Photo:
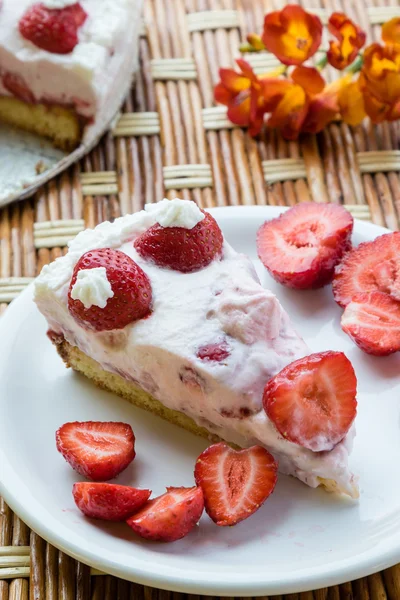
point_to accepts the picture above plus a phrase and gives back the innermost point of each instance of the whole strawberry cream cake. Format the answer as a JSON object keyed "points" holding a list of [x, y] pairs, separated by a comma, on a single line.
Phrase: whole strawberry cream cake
{"points": [[160, 309], [65, 66]]}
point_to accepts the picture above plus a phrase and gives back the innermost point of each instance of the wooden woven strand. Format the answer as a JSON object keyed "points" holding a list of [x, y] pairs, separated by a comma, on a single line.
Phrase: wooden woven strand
{"points": [[283, 169], [173, 69], [215, 118], [380, 14], [137, 124], [262, 62], [11, 287], [178, 177], [213, 19], [100, 183], [57, 233], [382, 161]]}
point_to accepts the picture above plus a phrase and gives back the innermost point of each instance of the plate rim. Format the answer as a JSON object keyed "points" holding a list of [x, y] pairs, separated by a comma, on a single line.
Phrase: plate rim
{"points": [[186, 581]]}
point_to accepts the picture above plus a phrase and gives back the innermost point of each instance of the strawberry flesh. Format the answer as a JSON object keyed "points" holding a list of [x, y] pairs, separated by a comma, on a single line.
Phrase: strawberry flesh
{"points": [[235, 483], [131, 287], [301, 248], [372, 266], [97, 450], [181, 249], [169, 517], [312, 402], [108, 501], [373, 323], [17, 86], [53, 30], [214, 352]]}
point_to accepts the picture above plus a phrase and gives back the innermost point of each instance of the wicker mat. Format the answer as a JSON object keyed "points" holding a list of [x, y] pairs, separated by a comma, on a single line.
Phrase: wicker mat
{"points": [[171, 140]]}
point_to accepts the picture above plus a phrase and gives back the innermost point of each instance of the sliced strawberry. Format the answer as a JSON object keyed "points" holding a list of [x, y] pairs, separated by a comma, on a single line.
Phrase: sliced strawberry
{"points": [[216, 352], [97, 450], [108, 501], [312, 402], [17, 86], [235, 483], [372, 266], [53, 30], [301, 248], [130, 285], [373, 323], [169, 517], [182, 249]]}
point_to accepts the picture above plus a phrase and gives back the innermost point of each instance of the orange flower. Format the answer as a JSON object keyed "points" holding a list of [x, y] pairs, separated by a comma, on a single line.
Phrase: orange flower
{"points": [[391, 31], [351, 101], [291, 112], [350, 38], [292, 34], [247, 96], [380, 82]]}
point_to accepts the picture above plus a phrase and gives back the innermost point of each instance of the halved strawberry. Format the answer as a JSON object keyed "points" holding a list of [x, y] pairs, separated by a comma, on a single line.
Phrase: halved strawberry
{"points": [[97, 450], [312, 402], [53, 30], [131, 291], [301, 248], [235, 483], [372, 266], [169, 517], [373, 323], [108, 501], [182, 249]]}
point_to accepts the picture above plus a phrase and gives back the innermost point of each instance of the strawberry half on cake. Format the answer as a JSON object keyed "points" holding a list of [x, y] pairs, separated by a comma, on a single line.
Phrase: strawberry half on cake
{"points": [[159, 308], [65, 65]]}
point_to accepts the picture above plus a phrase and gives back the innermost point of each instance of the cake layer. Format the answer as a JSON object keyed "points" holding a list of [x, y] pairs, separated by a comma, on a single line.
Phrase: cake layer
{"points": [[223, 302], [59, 124]]}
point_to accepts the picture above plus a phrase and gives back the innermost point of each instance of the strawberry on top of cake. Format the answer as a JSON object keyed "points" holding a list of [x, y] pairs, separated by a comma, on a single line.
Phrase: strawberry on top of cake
{"points": [[62, 62], [159, 308]]}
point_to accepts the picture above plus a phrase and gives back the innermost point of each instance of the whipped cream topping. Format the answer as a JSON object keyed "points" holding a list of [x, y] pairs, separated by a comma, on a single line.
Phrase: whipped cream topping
{"points": [[222, 303], [175, 213], [57, 4], [92, 287]]}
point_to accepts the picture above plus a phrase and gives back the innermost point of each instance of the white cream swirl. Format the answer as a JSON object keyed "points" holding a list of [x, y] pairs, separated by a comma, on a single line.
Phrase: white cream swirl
{"points": [[92, 287]]}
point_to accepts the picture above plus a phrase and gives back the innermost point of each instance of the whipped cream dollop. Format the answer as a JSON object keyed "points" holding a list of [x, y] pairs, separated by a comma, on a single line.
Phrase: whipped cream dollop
{"points": [[175, 213], [92, 287]]}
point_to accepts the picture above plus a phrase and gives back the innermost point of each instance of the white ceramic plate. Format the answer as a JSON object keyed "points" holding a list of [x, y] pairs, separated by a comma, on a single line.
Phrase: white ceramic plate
{"points": [[300, 539]]}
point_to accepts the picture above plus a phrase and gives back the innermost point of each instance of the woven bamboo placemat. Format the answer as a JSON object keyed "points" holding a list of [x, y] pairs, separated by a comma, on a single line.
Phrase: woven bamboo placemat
{"points": [[171, 140]]}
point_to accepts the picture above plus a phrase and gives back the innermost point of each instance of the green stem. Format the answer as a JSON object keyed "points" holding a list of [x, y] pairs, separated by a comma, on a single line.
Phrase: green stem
{"points": [[321, 64], [356, 66]]}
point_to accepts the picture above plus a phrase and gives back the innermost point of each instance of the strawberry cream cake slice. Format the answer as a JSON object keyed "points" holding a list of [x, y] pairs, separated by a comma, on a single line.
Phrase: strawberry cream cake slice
{"points": [[159, 308], [65, 65]]}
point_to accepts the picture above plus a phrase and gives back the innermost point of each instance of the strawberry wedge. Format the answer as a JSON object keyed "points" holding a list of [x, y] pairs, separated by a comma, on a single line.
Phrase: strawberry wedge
{"points": [[235, 483], [371, 267], [108, 501], [373, 323], [169, 517], [301, 248], [312, 402], [97, 450]]}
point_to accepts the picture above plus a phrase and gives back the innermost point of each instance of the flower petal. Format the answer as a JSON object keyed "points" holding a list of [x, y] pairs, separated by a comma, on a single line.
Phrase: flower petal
{"points": [[290, 113], [223, 95], [234, 81], [350, 38], [391, 31], [239, 111], [292, 34], [351, 103], [309, 78]]}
